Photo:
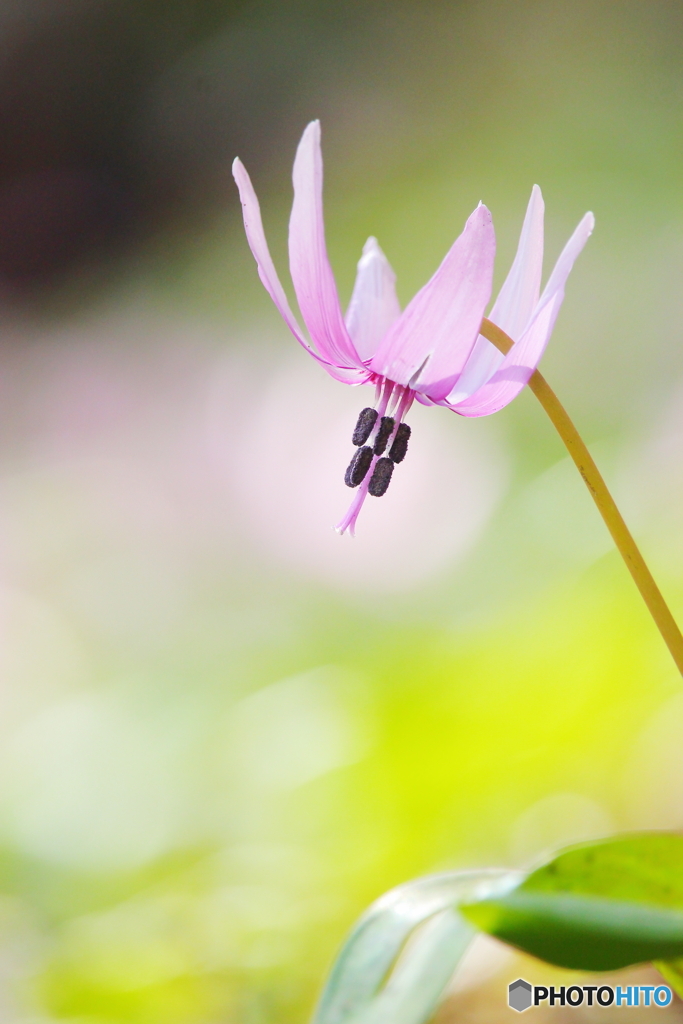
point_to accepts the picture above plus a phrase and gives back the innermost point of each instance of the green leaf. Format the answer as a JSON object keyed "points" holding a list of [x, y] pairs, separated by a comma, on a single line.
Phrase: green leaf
{"points": [[401, 954], [595, 907], [416, 984]]}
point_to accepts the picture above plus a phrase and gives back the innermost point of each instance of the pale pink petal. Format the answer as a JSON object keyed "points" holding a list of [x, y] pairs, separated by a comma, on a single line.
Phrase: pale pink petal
{"points": [[253, 225], [314, 283], [374, 306], [562, 268], [257, 242], [429, 345], [515, 304], [423, 400], [518, 297], [522, 359]]}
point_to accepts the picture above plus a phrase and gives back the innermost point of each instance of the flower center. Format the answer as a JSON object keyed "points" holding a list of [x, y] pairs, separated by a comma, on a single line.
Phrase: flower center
{"points": [[377, 429], [383, 431]]}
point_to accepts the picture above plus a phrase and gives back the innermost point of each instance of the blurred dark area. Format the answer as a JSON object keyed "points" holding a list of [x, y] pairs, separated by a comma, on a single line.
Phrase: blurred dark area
{"points": [[120, 117], [80, 170]]}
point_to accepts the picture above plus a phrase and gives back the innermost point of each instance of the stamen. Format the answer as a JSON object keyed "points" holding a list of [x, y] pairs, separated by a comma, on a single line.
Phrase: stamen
{"points": [[381, 477], [396, 399], [358, 467], [386, 429], [364, 426], [399, 447], [375, 477], [387, 391], [406, 402]]}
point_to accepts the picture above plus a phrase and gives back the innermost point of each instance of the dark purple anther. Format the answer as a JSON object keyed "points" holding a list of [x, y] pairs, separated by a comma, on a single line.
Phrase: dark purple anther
{"points": [[386, 428], [381, 477], [399, 447], [366, 421], [358, 467]]}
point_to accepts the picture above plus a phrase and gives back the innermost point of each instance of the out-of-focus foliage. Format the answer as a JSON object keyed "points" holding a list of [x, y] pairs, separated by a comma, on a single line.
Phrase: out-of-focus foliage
{"points": [[225, 730], [401, 954], [603, 905]]}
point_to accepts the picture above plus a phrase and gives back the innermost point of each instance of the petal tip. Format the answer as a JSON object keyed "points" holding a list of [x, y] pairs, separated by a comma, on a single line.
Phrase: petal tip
{"points": [[480, 217], [308, 152], [312, 129], [536, 199], [242, 179]]}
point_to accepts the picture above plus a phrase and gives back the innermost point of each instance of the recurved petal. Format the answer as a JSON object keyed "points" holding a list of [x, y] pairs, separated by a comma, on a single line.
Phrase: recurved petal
{"points": [[312, 275], [253, 226], [515, 304], [518, 297], [428, 346], [521, 361], [562, 268], [374, 306]]}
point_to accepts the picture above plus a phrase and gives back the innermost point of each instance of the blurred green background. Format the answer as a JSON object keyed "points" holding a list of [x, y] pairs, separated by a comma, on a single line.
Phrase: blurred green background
{"points": [[226, 730]]}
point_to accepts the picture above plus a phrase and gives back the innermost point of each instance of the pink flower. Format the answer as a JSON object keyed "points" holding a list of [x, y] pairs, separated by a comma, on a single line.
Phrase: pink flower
{"points": [[432, 351]]}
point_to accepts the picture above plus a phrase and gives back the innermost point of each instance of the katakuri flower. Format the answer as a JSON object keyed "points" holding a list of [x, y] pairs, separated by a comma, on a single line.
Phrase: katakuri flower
{"points": [[432, 351]]}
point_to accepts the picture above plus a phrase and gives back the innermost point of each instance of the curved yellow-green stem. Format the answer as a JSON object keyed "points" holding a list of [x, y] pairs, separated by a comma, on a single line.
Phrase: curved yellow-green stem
{"points": [[621, 535]]}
